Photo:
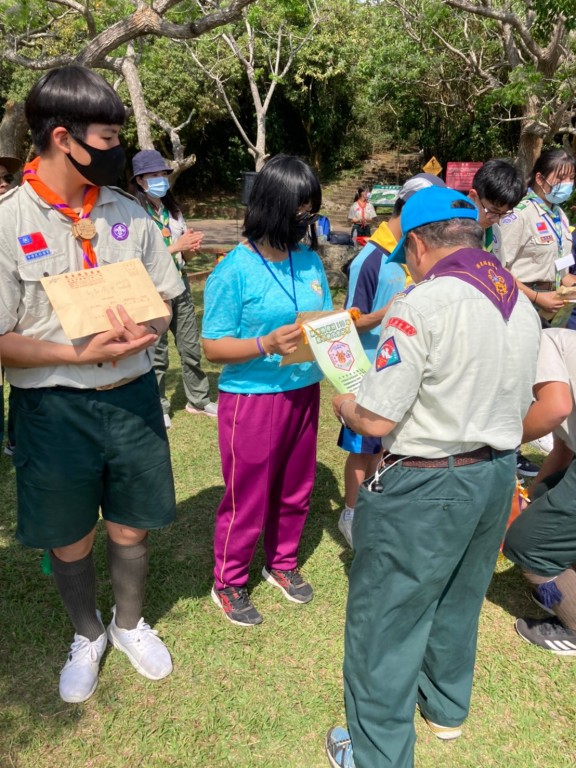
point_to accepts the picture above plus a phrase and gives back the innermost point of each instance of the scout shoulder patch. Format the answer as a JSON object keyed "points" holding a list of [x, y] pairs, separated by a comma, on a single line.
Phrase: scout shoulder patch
{"points": [[510, 218], [401, 325], [387, 355]]}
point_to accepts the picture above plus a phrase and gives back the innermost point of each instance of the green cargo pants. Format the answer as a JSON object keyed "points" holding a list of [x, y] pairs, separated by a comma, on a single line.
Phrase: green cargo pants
{"points": [[425, 550]]}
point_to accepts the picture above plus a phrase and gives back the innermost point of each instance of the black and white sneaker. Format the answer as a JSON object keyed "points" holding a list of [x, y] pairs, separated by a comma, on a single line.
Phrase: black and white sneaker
{"points": [[524, 467], [549, 634], [237, 606]]}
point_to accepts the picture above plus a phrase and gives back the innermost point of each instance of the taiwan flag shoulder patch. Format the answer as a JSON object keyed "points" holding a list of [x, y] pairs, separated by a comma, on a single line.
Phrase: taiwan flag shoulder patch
{"points": [[387, 355], [34, 246]]}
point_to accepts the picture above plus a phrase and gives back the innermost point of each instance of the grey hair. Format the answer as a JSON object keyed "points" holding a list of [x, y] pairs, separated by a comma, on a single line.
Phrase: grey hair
{"points": [[465, 233]]}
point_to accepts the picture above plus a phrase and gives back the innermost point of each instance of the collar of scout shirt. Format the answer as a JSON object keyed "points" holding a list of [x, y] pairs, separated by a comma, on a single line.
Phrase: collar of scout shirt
{"points": [[107, 195], [482, 271]]}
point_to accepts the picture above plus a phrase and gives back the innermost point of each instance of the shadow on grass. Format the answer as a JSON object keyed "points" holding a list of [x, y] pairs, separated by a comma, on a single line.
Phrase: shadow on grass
{"points": [[36, 631], [509, 590]]}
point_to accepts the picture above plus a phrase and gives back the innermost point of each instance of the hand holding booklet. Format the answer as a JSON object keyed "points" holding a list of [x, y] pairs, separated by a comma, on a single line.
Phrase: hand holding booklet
{"points": [[332, 340], [80, 299]]}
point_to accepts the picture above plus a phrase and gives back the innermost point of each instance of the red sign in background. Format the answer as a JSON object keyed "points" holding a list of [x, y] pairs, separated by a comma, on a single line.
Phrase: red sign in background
{"points": [[459, 175]]}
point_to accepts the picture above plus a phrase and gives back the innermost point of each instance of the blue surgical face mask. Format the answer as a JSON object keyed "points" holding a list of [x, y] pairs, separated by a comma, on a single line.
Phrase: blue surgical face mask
{"points": [[560, 192], [157, 186]]}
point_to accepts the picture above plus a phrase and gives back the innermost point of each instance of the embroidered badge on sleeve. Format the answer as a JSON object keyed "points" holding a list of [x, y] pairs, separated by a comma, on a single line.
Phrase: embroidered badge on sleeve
{"points": [[387, 355], [402, 325]]}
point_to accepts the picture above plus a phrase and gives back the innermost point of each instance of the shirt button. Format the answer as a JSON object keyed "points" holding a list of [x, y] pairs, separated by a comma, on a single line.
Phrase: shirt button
{"points": [[100, 365], [46, 274]]}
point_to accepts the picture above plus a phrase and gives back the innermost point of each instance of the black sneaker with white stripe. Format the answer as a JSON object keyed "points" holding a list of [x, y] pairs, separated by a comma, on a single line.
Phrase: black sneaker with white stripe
{"points": [[549, 634]]}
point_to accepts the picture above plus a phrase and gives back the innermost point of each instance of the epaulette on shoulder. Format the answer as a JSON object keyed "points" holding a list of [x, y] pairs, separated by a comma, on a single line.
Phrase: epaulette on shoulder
{"points": [[7, 195], [521, 206], [124, 193]]}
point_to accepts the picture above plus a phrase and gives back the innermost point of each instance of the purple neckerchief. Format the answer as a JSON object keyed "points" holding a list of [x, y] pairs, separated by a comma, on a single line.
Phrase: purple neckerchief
{"points": [[481, 270]]}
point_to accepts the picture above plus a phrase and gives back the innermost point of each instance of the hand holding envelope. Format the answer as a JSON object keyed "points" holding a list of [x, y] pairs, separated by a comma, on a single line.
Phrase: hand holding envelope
{"points": [[87, 302]]}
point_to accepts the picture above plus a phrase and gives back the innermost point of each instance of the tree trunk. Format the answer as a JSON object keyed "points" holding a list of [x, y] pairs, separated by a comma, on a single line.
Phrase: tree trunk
{"points": [[13, 130], [132, 79]]}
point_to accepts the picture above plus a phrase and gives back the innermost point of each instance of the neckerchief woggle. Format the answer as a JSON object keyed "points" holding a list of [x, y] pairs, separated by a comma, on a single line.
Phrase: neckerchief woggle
{"points": [[162, 220], [482, 271], [89, 260]]}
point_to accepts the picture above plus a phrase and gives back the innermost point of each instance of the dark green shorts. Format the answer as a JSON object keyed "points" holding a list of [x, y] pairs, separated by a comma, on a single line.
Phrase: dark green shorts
{"points": [[81, 451]]}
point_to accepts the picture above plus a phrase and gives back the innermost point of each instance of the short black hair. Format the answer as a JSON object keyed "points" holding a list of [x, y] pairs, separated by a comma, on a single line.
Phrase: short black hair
{"points": [[72, 97], [283, 185], [550, 161], [499, 183]]}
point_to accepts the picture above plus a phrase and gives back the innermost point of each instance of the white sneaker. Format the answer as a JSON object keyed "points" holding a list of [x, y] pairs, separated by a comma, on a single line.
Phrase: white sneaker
{"points": [[79, 676], [345, 524], [544, 443], [147, 653], [211, 409], [167, 421]]}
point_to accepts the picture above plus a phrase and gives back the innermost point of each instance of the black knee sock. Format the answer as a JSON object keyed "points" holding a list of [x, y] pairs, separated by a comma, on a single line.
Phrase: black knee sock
{"points": [[128, 568], [76, 583]]}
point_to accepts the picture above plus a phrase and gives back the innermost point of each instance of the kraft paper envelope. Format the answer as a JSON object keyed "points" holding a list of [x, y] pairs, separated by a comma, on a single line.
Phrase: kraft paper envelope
{"points": [[303, 353], [80, 299]]}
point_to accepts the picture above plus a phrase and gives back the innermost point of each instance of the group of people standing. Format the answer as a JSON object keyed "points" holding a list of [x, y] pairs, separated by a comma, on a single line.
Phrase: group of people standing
{"points": [[454, 340]]}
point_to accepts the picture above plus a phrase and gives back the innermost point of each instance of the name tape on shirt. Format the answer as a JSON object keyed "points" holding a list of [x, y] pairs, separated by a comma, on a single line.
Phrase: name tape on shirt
{"points": [[34, 246], [387, 355], [402, 325]]}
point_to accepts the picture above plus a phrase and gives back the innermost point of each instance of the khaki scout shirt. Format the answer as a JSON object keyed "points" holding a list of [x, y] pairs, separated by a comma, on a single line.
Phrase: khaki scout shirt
{"points": [[526, 243], [124, 231], [557, 362], [451, 372]]}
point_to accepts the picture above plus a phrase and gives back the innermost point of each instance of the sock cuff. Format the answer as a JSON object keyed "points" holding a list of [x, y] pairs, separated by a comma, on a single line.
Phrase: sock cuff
{"points": [[130, 551], [71, 569]]}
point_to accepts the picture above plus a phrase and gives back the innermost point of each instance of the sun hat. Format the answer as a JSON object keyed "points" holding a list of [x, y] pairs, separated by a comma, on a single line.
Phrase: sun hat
{"points": [[148, 161]]}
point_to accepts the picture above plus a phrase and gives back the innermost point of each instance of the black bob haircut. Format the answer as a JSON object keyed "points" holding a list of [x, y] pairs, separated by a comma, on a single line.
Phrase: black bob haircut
{"points": [[499, 183], [551, 161], [284, 184], [72, 97]]}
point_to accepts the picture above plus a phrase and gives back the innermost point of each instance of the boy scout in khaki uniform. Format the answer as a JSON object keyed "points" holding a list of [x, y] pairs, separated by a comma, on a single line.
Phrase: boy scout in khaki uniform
{"points": [[89, 429], [542, 540], [534, 242], [447, 392]]}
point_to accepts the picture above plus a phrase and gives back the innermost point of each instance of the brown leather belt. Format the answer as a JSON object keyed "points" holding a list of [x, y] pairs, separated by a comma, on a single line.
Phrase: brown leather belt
{"points": [[542, 285], [457, 460]]}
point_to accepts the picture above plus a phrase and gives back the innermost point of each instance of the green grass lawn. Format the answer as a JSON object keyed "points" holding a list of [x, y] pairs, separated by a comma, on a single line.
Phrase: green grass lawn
{"points": [[249, 698]]}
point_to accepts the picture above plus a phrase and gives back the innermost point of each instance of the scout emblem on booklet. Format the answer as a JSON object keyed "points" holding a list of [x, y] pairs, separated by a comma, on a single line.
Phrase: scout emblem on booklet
{"points": [[332, 340], [84, 229]]}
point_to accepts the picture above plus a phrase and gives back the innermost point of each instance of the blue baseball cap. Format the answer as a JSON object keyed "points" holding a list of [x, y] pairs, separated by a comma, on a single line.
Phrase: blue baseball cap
{"points": [[428, 206]]}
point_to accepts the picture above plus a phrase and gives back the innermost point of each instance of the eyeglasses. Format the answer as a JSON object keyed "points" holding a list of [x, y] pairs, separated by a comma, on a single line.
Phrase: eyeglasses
{"points": [[8, 178], [307, 217], [490, 213]]}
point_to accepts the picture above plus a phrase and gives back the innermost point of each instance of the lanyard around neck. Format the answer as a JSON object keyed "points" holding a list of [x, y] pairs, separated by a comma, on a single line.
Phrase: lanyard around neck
{"points": [[275, 276]]}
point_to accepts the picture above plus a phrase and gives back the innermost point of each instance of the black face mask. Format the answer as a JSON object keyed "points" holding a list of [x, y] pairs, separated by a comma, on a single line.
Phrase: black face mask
{"points": [[301, 230], [105, 166]]}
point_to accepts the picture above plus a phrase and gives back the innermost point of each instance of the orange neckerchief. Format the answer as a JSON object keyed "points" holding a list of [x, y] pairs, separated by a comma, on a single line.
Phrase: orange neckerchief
{"points": [[50, 197]]}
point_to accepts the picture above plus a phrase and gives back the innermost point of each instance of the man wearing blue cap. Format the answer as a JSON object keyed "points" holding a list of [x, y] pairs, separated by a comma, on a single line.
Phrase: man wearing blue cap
{"points": [[447, 392]]}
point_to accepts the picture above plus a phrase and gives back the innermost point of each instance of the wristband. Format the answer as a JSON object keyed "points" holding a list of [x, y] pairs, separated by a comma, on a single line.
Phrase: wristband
{"points": [[535, 302], [260, 347]]}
